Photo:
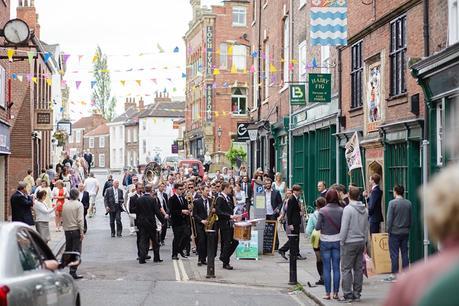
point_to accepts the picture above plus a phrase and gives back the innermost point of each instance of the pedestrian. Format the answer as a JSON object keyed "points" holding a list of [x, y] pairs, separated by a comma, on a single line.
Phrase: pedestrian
{"points": [[273, 202], [108, 183], [343, 196], [88, 158], [240, 200], [131, 207], [170, 185], [21, 205], [42, 214], [67, 160], [354, 237], [59, 195], [201, 210], [374, 199], [91, 185], [73, 223], [44, 186], [329, 225], [44, 176], [51, 174], [83, 197], [163, 200], [28, 179], [398, 228], [35, 187], [65, 177], [280, 185], [294, 220], [315, 237], [179, 214], [113, 201], [283, 219], [147, 210], [441, 208], [129, 189], [127, 177], [74, 178], [322, 188]]}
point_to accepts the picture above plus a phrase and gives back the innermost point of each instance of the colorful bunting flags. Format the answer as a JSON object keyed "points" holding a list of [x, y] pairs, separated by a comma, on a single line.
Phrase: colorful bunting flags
{"points": [[233, 69], [160, 49], [93, 83], [65, 58], [139, 82], [49, 82], [77, 84], [10, 53], [216, 71], [35, 80], [272, 68], [176, 50], [123, 82], [47, 56]]}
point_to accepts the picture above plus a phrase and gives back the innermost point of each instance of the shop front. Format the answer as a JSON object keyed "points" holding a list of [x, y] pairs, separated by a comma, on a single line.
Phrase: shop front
{"points": [[4, 153]]}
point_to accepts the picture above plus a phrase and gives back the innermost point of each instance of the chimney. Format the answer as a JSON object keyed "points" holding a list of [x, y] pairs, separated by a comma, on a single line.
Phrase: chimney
{"points": [[141, 104], [130, 102], [27, 12]]}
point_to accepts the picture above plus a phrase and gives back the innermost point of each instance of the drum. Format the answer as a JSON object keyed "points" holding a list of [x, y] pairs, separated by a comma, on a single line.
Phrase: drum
{"points": [[242, 231]]}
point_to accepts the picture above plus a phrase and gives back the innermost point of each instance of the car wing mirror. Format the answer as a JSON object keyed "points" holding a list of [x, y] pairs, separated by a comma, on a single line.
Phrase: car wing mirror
{"points": [[70, 259]]}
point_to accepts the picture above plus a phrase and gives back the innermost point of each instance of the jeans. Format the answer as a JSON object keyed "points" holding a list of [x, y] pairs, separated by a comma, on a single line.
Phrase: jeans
{"points": [[352, 268], [330, 252], [396, 243]]}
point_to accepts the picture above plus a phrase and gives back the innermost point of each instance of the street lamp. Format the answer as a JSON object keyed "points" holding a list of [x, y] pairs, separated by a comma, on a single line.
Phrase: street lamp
{"points": [[219, 134]]}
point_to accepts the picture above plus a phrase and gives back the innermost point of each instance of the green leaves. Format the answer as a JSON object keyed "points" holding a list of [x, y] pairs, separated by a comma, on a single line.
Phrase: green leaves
{"points": [[235, 154], [101, 92]]}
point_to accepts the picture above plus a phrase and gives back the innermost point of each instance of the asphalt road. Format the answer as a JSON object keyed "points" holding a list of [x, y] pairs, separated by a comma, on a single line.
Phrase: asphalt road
{"points": [[112, 276]]}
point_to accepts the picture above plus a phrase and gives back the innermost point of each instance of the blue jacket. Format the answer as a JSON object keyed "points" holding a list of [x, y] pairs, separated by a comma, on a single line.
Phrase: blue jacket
{"points": [[374, 206]]}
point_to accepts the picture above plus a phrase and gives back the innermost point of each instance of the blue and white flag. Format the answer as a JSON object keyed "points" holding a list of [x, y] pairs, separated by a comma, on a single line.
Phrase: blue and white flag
{"points": [[329, 22]]}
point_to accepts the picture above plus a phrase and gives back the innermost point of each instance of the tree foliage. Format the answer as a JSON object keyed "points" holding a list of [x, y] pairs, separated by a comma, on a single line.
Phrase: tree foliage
{"points": [[235, 154], [101, 93]]}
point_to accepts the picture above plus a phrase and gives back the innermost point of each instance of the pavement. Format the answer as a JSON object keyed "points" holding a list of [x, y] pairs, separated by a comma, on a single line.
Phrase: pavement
{"points": [[112, 276]]}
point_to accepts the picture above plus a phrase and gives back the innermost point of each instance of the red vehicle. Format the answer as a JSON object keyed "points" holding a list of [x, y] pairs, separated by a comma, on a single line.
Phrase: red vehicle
{"points": [[192, 167]]}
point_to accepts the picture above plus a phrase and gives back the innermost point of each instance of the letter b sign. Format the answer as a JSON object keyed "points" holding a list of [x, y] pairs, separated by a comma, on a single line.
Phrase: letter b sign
{"points": [[297, 94]]}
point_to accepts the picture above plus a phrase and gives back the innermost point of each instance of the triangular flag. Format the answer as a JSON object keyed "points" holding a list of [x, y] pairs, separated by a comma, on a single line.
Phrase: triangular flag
{"points": [[139, 82], [254, 54], [233, 69], [63, 83], [314, 63], [214, 85], [176, 50], [10, 53], [291, 67], [252, 69], [14, 76], [35, 80], [80, 57], [169, 79], [31, 55], [174, 89], [216, 71], [272, 68], [235, 84], [20, 78], [161, 50], [154, 81], [230, 50], [225, 85], [65, 58], [123, 82], [77, 84], [47, 56], [183, 75], [93, 83], [216, 114], [49, 82], [95, 57]]}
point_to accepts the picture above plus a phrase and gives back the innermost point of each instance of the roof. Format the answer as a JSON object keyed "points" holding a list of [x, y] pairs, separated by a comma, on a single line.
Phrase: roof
{"points": [[132, 111], [100, 130], [165, 109], [83, 122]]}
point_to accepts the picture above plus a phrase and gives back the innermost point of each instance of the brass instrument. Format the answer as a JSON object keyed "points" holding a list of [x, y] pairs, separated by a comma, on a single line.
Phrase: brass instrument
{"points": [[152, 175], [212, 218], [189, 199]]}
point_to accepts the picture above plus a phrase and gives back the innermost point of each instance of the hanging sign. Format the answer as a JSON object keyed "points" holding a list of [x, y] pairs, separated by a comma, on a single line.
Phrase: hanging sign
{"points": [[209, 50], [43, 119], [319, 87], [253, 134], [209, 93], [242, 131], [297, 94]]}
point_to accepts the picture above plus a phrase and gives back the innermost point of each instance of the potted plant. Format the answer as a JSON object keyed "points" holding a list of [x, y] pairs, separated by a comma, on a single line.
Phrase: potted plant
{"points": [[236, 155]]}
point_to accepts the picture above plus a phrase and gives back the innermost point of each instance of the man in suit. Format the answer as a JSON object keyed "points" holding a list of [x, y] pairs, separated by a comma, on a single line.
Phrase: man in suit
{"points": [[129, 190], [88, 158], [225, 215], [21, 205], [322, 188], [148, 209], [83, 197], [163, 198], [113, 201], [131, 207], [248, 190], [179, 215], [375, 216], [273, 201], [294, 218], [201, 211]]}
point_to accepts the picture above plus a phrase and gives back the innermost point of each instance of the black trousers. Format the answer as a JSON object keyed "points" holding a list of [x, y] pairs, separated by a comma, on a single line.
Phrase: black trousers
{"points": [[116, 216], [286, 247], [85, 222], [201, 242], [180, 239], [274, 218], [73, 244], [163, 231], [146, 234], [229, 244]]}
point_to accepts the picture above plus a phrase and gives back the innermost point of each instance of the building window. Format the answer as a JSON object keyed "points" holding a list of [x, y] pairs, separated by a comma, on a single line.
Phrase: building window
{"points": [[239, 101], [101, 160], [452, 129], [101, 141], [71, 138], [324, 59], [440, 132], [240, 57], [239, 16], [135, 134], [302, 71], [129, 158], [129, 136], [91, 142], [356, 75], [254, 11], [286, 48], [144, 125], [77, 136], [120, 156], [223, 56], [144, 146], [113, 156], [453, 21], [397, 56]]}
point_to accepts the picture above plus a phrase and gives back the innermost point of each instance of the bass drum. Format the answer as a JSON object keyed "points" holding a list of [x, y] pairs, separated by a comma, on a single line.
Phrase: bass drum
{"points": [[152, 174]]}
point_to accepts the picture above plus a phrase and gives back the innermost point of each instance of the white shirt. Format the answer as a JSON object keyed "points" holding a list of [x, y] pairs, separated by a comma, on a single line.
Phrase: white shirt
{"points": [[169, 188], [206, 204], [91, 185], [161, 198], [269, 207], [42, 211], [115, 194], [80, 196]]}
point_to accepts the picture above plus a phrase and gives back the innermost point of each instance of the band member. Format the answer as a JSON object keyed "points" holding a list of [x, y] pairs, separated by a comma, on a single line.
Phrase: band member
{"points": [[225, 215], [147, 208], [191, 195], [179, 216], [294, 217], [162, 197], [201, 210], [131, 207], [113, 201]]}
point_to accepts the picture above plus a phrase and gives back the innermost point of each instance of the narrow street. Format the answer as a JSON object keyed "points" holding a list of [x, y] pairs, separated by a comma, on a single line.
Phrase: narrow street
{"points": [[112, 276]]}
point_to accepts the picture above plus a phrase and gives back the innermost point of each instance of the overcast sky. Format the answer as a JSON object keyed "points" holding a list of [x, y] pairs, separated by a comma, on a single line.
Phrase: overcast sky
{"points": [[119, 27]]}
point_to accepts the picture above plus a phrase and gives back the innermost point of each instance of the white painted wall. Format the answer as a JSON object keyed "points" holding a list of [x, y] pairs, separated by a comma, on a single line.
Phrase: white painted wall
{"points": [[158, 134], [116, 145]]}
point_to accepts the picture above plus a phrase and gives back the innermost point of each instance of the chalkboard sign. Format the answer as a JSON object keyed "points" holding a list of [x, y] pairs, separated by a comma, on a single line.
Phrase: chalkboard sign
{"points": [[269, 237]]}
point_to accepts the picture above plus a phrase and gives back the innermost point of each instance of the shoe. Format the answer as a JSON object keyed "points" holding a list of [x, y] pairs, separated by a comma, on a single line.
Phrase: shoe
{"points": [[356, 298], [183, 255], [142, 262], [148, 257], [118, 235], [188, 254], [227, 267], [76, 276], [158, 260], [175, 258], [320, 282], [282, 253], [299, 257], [347, 299], [390, 279], [113, 235], [199, 263], [336, 296], [204, 262]]}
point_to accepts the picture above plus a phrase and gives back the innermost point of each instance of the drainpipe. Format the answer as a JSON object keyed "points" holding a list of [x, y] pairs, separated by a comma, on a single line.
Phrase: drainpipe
{"points": [[259, 63], [338, 124]]}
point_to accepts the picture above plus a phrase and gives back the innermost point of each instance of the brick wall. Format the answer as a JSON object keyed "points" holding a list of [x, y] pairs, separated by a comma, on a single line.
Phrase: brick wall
{"points": [[96, 150]]}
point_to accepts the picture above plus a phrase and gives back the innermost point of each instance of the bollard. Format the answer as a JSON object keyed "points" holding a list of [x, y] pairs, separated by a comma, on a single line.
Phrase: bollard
{"points": [[211, 244], [293, 242]]}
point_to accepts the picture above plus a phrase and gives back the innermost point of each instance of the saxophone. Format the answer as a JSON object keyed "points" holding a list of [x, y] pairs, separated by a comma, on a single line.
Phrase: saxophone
{"points": [[212, 218]]}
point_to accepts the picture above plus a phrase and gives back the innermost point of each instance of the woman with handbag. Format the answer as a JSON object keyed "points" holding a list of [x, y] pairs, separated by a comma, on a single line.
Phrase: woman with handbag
{"points": [[315, 236]]}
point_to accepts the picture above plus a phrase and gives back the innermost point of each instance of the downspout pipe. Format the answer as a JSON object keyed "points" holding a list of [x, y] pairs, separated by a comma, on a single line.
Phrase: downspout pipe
{"points": [[339, 115], [259, 63]]}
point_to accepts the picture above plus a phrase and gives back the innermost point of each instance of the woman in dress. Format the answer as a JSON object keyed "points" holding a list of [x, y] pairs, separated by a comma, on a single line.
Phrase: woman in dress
{"points": [[74, 178], [59, 195], [280, 185], [42, 212], [44, 186], [65, 177]]}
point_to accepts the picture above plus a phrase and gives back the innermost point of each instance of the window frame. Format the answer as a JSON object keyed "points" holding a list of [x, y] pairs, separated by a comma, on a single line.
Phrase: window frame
{"points": [[101, 157], [91, 142], [303, 57], [223, 56], [239, 58], [239, 97], [356, 75], [239, 11], [286, 49], [397, 56], [101, 141], [325, 59]]}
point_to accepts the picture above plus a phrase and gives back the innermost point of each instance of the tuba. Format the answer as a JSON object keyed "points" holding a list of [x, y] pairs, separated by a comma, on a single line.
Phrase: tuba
{"points": [[152, 175]]}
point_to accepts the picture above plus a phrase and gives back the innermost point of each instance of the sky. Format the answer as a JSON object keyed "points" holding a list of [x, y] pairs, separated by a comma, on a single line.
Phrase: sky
{"points": [[131, 32]]}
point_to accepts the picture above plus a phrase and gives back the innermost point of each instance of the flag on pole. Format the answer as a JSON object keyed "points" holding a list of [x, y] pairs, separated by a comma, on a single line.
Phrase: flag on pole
{"points": [[352, 153], [329, 22]]}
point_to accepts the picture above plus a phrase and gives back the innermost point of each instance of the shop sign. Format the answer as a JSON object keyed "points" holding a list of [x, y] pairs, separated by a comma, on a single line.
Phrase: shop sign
{"points": [[209, 50], [209, 92], [319, 87], [374, 109], [297, 94], [4, 139], [242, 131], [43, 119], [253, 134]]}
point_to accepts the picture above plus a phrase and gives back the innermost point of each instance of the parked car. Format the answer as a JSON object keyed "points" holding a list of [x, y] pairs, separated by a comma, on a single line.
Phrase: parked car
{"points": [[29, 271], [192, 167]]}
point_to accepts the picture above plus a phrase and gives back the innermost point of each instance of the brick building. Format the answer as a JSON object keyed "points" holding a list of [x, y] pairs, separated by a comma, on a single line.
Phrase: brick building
{"points": [[75, 144], [217, 91], [98, 142]]}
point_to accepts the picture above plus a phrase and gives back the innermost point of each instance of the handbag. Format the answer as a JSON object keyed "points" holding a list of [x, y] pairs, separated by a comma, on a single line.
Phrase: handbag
{"points": [[315, 238]]}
